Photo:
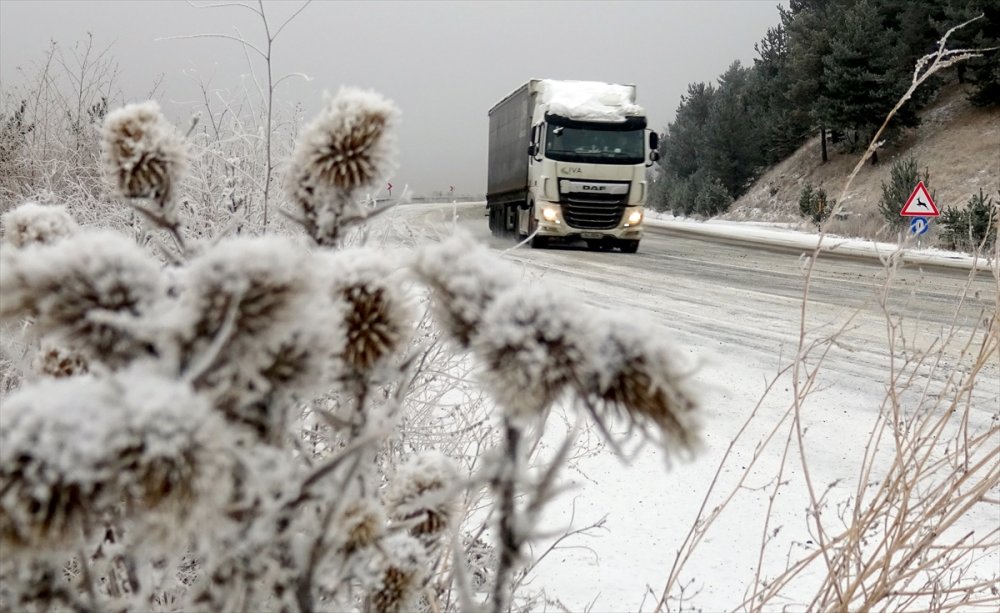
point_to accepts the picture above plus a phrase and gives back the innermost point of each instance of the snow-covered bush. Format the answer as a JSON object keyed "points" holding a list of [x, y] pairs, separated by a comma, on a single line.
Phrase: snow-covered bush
{"points": [[223, 421]]}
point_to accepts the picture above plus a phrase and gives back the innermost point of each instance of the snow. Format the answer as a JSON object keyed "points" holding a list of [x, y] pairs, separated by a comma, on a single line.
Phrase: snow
{"points": [[776, 235], [589, 100]]}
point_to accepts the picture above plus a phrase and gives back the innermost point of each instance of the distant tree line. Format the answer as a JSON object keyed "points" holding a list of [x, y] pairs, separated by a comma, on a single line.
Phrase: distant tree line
{"points": [[830, 67]]}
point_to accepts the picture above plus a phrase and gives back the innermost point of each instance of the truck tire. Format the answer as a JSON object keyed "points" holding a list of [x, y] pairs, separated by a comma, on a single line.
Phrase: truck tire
{"points": [[629, 246], [510, 220], [491, 214], [538, 242]]}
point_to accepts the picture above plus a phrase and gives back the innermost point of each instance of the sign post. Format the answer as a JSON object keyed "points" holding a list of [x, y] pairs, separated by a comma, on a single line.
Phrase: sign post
{"points": [[388, 188]]}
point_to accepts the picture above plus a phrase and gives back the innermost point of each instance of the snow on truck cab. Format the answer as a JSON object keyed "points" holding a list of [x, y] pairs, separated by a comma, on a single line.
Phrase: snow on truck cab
{"points": [[567, 161]]}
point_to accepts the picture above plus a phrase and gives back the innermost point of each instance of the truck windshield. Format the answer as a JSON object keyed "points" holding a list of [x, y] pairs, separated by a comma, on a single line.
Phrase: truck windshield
{"points": [[594, 145]]}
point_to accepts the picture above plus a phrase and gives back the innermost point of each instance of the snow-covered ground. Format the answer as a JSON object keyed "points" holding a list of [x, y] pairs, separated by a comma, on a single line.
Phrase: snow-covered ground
{"points": [[780, 235], [650, 506]]}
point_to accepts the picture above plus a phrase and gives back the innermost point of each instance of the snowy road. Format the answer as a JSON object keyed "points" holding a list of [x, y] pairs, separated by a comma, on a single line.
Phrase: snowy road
{"points": [[735, 294], [734, 309]]}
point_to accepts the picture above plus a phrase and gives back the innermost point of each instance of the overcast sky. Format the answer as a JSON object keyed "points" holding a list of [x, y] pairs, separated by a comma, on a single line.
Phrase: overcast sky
{"points": [[444, 63]]}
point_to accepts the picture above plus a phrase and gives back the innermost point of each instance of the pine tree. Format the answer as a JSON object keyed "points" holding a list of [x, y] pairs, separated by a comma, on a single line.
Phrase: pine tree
{"points": [[783, 125], [684, 142], [982, 73], [733, 153], [808, 43], [863, 76]]}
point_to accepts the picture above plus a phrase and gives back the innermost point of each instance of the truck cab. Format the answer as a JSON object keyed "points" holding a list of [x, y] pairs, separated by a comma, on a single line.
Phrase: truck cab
{"points": [[585, 148]]}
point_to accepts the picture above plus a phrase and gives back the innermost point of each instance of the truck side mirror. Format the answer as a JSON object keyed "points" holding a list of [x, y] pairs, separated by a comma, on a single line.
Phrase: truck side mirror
{"points": [[654, 156], [532, 150], [654, 140]]}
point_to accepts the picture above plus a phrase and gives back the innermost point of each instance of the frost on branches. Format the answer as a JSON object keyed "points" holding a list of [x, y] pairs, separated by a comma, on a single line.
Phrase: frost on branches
{"points": [[253, 423]]}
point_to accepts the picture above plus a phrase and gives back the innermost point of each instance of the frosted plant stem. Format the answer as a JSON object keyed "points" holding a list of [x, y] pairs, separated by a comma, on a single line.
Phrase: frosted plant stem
{"points": [[172, 228], [509, 540], [88, 580], [211, 355], [268, 166], [303, 592]]}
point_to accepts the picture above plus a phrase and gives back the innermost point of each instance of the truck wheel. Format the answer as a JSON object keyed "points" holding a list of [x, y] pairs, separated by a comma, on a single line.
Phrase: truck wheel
{"points": [[491, 213], [537, 242], [629, 246], [510, 221]]}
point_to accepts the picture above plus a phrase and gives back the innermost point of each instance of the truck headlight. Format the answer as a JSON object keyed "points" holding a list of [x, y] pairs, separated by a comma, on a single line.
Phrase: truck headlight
{"points": [[634, 217], [550, 214]]}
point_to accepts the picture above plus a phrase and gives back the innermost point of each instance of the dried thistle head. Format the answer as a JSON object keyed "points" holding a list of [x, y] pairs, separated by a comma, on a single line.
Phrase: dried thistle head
{"points": [[349, 147], [256, 306], [421, 496], [637, 376], [377, 316], [55, 360], [255, 389], [36, 224], [403, 574], [91, 291], [464, 278], [143, 155], [248, 286], [361, 525], [73, 450], [533, 344]]}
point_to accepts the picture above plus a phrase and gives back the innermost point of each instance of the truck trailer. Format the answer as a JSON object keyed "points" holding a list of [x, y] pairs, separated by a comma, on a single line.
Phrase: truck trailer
{"points": [[567, 162]]}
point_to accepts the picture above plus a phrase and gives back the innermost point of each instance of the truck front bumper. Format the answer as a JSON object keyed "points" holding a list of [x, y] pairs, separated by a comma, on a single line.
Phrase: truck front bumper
{"points": [[552, 224]]}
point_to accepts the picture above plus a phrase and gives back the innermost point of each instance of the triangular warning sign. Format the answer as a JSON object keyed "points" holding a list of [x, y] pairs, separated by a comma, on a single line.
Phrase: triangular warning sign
{"points": [[920, 204]]}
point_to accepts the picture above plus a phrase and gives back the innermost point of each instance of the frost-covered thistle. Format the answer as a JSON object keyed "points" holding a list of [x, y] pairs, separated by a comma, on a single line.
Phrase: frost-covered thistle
{"points": [[637, 376], [251, 284], [377, 316], [464, 278], [246, 562], [143, 156], [402, 576], [90, 291], [31, 224], [421, 496], [534, 345], [253, 327], [361, 524], [57, 361], [77, 452], [350, 146]]}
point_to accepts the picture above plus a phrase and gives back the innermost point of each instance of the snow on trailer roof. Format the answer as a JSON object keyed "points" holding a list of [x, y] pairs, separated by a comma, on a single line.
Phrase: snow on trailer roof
{"points": [[589, 100]]}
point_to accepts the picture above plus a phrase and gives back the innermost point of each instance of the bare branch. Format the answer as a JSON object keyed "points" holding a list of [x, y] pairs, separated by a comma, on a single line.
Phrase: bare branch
{"points": [[225, 36]]}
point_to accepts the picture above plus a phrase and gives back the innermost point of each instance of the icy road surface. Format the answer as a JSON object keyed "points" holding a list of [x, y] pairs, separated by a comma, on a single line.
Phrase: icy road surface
{"points": [[735, 309]]}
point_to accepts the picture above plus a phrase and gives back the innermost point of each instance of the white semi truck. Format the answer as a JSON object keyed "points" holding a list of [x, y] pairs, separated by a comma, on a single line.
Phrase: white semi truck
{"points": [[567, 162]]}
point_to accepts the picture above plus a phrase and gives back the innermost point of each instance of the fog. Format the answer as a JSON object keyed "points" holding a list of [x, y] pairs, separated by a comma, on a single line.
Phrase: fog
{"points": [[445, 64]]}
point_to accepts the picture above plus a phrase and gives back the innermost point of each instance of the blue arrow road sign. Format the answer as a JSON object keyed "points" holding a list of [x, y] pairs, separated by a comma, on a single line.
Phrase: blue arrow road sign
{"points": [[918, 225]]}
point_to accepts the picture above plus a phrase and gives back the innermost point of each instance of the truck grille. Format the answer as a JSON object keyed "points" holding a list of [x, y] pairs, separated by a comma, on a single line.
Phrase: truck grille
{"points": [[593, 210]]}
